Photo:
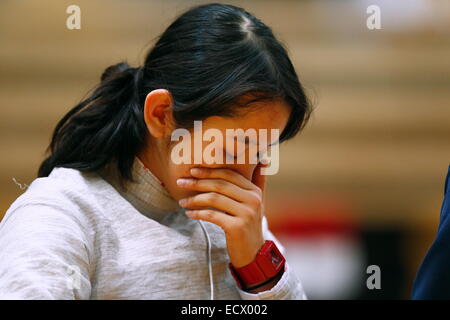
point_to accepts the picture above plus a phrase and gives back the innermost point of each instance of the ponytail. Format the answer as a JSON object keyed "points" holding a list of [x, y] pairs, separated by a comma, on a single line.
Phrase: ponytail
{"points": [[108, 125]]}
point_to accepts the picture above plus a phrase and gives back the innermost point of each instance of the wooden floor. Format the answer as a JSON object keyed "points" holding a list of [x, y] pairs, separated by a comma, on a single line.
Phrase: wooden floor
{"points": [[380, 135]]}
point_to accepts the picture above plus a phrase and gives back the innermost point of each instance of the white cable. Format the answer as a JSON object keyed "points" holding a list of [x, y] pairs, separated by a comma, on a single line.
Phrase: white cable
{"points": [[211, 282]]}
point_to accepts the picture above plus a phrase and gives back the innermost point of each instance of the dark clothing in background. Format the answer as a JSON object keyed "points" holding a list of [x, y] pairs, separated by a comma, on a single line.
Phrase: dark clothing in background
{"points": [[433, 278]]}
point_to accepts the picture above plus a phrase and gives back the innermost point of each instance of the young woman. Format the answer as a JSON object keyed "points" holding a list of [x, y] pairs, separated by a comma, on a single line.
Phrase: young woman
{"points": [[111, 216]]}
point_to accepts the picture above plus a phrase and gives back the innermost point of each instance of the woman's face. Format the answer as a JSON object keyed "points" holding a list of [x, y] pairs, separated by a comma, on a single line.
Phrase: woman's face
{"points": [[268, 115]]}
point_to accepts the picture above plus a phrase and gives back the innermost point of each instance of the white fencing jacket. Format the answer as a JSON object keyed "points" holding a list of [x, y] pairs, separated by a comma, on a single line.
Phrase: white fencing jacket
{"points": [[75, 235]]}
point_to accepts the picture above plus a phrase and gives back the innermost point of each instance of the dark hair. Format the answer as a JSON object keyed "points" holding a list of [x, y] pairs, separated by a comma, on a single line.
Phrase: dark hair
{"points": [[208, 59]]}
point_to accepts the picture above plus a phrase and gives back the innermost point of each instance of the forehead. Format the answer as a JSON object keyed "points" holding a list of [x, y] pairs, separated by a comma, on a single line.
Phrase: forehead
{"points": [[268, 115]]}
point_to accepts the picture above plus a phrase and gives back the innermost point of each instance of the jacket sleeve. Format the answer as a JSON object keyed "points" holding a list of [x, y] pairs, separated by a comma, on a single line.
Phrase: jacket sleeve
{"points": [[44, 254], [288, 287]]}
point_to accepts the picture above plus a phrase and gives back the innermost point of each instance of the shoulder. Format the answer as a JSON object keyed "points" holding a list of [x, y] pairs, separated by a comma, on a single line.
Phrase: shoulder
{"points": [[447, 183], [66, 198], [445, 208], [46, 233]]}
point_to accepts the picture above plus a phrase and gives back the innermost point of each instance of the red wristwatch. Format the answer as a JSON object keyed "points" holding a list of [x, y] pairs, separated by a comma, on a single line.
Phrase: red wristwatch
{"points": [[268, 263]]}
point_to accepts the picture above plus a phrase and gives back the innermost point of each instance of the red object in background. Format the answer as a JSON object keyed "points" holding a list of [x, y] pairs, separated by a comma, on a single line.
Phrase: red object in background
{"points": [[320, 216], [321, 237]]}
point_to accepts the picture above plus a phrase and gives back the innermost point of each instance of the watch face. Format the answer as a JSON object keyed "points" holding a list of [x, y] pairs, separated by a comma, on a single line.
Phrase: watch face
{"points": [[270, 259], [276, 259]]}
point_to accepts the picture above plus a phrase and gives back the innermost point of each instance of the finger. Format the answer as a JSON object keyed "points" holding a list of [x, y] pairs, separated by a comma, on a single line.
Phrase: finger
{"points": [[220, 173], [260, 181], [219, 186], [216, 200], [258, 178], [221, 219]]}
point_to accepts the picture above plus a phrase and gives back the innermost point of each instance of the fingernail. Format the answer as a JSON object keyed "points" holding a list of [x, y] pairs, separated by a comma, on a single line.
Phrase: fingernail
{"points": [[189, 213], [182, 181], [196, 171], [182, 202]]}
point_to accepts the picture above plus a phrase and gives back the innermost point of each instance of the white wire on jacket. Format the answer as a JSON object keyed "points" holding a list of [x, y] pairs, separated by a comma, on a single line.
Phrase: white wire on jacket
{"points": [[209, 259]]}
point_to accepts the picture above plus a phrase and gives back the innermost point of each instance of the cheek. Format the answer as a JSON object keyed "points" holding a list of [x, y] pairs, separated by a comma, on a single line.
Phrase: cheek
{"points": [[177, 171]]}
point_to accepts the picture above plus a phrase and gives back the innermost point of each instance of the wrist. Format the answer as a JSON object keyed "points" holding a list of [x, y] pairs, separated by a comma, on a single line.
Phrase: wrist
{"points": [[266, 285], [263, 271]]}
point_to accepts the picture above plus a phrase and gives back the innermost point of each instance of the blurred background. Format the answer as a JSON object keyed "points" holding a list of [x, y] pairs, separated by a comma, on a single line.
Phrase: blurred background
{"points": [[361, 186]]}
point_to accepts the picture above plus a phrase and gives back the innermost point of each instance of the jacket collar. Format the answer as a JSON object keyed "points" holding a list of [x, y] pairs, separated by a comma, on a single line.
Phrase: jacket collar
{"points": [[146, 194]]}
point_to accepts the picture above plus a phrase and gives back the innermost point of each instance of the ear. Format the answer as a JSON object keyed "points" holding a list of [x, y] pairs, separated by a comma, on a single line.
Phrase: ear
{"points": [[158, 112]]}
